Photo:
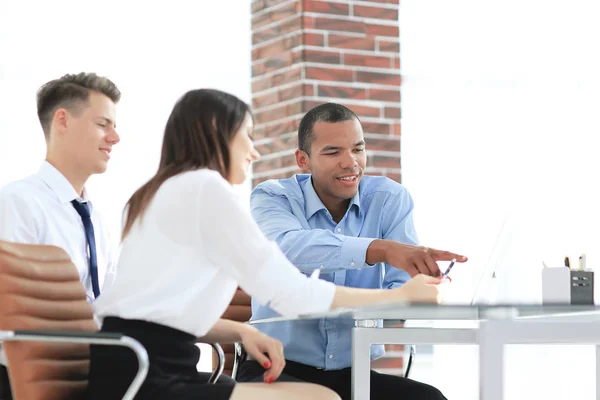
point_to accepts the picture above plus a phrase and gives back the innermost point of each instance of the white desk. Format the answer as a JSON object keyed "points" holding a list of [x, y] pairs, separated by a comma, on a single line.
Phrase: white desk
{"points": [[494, 335], [496, 326]]}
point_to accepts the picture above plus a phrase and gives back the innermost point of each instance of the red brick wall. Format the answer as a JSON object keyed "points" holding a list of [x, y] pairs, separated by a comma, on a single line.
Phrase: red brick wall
{"points": [[307, 52]]}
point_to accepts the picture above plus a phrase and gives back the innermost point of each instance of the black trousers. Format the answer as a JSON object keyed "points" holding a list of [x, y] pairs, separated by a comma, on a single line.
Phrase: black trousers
{"points": [[5, 393], [172, 374], [383, 387]]}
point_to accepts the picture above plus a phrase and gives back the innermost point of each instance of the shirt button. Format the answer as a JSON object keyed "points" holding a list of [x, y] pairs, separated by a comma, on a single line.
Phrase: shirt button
{"points": [[331, 356], [339, 229]]}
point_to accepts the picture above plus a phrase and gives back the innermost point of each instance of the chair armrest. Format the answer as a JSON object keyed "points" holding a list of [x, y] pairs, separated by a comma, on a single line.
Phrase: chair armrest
{"points": [[98, 338], [220, 363], [239, 356], [411, 355]]}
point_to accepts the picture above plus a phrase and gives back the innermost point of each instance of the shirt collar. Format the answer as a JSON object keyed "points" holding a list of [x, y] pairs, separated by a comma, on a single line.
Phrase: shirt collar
{"points": [[313, 203], [57, 182]]}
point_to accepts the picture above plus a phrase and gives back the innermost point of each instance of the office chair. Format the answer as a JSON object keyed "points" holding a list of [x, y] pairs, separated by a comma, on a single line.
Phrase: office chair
{"points": [[47, 325], [239, 310]]}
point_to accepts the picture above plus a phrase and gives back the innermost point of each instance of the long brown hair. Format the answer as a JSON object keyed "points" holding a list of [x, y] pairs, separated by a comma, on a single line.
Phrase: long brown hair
{"points": [[197, 135]]}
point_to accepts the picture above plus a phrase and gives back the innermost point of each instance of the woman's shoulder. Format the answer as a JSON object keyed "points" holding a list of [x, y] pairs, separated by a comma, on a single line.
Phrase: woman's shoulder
{"points": [[196, 179], [189, 185]]}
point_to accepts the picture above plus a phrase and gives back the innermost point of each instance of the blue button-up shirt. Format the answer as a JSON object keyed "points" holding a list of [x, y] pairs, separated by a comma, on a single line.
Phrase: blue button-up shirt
{"points": [[290, 212]]}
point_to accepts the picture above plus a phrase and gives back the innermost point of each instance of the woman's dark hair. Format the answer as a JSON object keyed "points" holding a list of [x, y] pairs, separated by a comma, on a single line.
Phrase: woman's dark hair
{"points": [[197, 135]]}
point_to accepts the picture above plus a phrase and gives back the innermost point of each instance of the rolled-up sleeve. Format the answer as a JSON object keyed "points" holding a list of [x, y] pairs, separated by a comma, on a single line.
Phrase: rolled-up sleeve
{"points": [[401, 228], [354, 251], [308, 249]]}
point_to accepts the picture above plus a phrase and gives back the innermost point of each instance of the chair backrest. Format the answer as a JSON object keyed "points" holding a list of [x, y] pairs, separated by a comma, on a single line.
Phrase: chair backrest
{"points": [[40, 290], [240, 310]]}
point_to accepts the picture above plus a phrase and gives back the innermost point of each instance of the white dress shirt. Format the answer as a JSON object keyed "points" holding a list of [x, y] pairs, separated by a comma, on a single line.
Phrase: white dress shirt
{"points": [[38, 210], [181, 263]]}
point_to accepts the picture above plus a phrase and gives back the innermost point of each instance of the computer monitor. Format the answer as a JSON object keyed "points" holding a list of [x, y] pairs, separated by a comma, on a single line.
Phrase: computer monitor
{"points": [[486, 287], [513, 274]]}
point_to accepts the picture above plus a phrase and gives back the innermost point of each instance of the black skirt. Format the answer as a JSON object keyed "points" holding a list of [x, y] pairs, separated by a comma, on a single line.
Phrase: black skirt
{"points": [[172, 374]]}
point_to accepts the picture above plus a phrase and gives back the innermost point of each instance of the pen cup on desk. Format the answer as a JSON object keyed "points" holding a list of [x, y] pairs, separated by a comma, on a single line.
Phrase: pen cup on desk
{"points": [[566, 286]]}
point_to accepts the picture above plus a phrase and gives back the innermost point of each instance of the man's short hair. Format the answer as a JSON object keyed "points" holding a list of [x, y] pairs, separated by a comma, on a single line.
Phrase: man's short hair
{"points": [[72, 93], [327, 112]]}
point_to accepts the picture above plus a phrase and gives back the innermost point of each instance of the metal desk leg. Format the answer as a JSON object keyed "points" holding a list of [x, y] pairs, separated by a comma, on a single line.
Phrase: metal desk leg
{"points": [[597, 372], [491, 362], [365, 334], [361, 364]]}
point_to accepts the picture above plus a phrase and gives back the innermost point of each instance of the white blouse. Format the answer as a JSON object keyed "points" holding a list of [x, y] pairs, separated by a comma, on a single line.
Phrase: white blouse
{"points": [[180, 265]]}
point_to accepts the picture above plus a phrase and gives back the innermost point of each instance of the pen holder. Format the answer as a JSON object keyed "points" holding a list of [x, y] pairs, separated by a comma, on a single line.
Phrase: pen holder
{"points": [[566, 286]]}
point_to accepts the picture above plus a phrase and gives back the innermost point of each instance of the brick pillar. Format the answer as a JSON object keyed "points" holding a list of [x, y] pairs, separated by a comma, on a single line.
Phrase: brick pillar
{"points": [[307, 52]]}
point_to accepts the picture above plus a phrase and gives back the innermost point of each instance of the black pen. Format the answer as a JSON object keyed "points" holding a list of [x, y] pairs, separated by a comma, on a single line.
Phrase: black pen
{"points": [[449, 268]]}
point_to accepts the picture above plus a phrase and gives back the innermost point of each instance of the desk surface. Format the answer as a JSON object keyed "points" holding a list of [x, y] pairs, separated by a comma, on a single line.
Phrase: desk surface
{"points": [[413, 311]]}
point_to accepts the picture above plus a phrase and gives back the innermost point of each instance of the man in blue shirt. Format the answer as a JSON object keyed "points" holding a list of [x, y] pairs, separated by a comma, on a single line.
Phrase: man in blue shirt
{"points": [[357, 231]]}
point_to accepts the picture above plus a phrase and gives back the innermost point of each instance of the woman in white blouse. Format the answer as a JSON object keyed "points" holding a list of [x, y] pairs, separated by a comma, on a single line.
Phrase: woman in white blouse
{"points": [[189, 241]]}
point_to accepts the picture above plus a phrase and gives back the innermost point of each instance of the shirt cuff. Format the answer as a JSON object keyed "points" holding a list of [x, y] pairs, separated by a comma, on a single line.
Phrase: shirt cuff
{"points": [[354, 253]]}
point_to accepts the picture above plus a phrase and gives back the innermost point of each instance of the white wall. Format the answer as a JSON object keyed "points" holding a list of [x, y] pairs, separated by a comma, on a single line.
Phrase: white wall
{"points": [[500, 120], [154, 52]]}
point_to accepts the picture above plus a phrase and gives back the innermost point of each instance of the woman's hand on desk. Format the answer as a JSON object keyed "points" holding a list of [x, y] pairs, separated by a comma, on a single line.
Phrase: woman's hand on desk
{"points": [[422, 289], [267, 351]]}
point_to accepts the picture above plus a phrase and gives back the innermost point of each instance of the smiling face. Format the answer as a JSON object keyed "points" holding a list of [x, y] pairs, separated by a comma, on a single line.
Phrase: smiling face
{"points": [[242, 152], [337, 160], [86, 136]]}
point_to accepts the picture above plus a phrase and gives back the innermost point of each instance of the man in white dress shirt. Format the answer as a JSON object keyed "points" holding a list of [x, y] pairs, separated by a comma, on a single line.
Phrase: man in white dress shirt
{"points": [[78, 117]]}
